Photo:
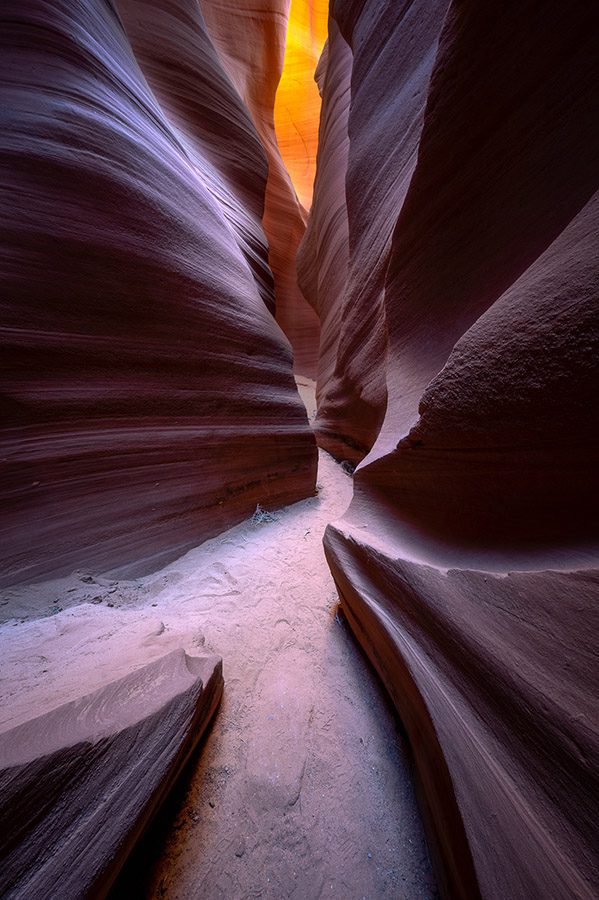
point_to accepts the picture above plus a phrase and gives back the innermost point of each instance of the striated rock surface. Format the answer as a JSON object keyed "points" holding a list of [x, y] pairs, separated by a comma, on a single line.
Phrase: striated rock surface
{"points": [[250, 40], [394, 47], [147, 395], [200, 101], [323, 254], [78, 784], [468, 560]]}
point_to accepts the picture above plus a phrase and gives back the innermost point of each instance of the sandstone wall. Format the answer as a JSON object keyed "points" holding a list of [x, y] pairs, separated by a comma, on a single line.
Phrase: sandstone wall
{"points": [[250, 40], [148, 400], [467, 561], [393, 49]]}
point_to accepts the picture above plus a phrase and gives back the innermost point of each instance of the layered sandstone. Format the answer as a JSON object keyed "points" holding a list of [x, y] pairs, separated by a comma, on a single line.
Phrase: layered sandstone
{"points": [[467, 562], [250, 40], [79, 783], [148, 400], [393, 50], [324, 251]]}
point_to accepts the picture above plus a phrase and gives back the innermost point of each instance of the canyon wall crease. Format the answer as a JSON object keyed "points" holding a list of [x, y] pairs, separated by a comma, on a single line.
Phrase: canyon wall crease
{"points": [[251, 40]]}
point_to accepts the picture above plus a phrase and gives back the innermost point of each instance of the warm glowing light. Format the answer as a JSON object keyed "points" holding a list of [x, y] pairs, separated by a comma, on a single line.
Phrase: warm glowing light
{"points": [[297, 106]]}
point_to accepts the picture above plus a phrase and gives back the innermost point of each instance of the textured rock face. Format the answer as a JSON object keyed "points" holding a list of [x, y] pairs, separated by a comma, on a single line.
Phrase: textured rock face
{"points": [[467, 562], [197, 97], [80, 783], [394, 46], [250, 40], [147, 399], [323, 253]]}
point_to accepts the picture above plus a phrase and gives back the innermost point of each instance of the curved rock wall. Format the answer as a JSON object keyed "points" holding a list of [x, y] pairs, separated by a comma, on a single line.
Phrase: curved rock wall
{"points": [[147, 397], [250, 40], [323, 254], [394, 47], [467, 561], [82, 781], [148, 400], [199, 100]]}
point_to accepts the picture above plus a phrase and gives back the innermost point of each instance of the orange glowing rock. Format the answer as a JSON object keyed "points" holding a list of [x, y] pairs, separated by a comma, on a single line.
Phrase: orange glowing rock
{"points": [[297, 106]]}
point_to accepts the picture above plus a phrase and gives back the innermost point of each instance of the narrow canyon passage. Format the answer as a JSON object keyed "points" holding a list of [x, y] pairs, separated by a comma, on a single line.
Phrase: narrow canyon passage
{"points": [[302, 788], [219, 616]]}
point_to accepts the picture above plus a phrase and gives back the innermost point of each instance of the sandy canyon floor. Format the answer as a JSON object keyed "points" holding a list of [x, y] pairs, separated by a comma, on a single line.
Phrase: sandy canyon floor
{"points": [[302, 788]]}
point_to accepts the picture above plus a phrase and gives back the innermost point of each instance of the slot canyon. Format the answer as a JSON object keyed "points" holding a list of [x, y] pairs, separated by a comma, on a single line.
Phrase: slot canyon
{"points": [[300, 428]]}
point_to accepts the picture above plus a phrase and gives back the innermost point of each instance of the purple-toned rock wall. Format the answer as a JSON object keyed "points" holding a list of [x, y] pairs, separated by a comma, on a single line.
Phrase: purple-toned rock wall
{"points": [[147, 394], [461, 367]]}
